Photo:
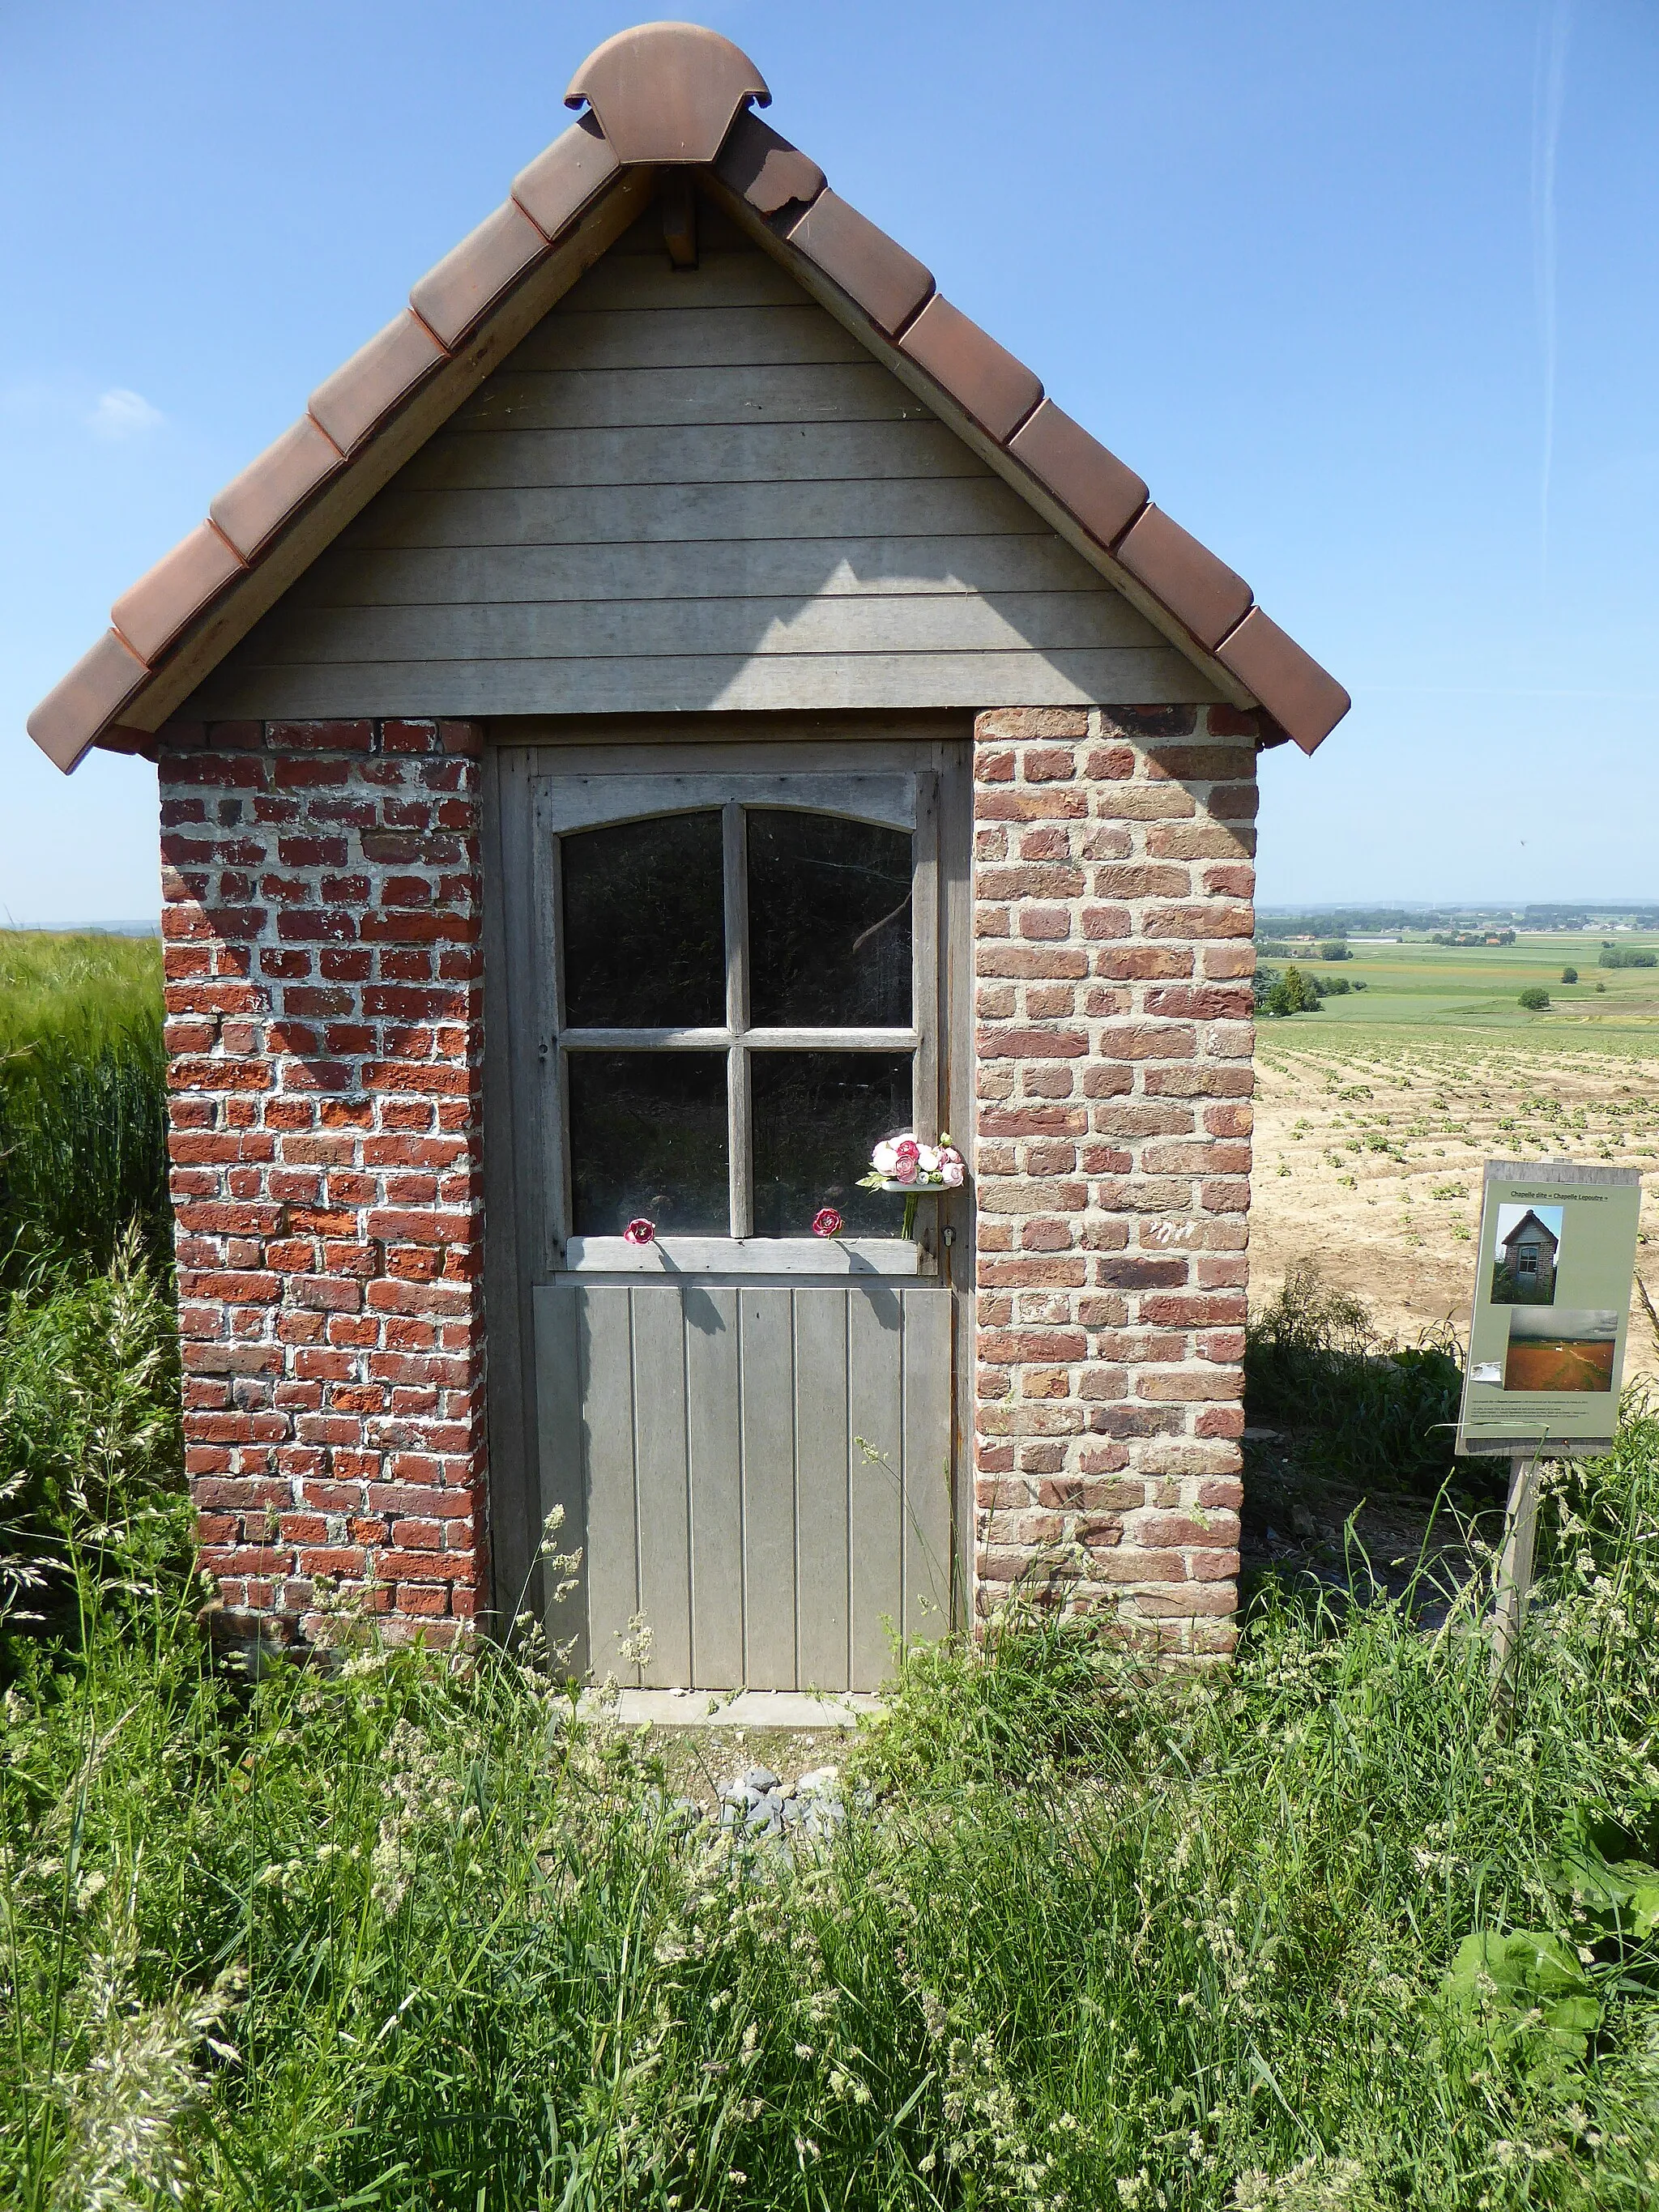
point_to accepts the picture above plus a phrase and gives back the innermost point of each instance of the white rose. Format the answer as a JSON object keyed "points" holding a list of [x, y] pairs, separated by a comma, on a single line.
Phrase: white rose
{"points": [[928, 1159], [885, 1158], [952, 1171]]}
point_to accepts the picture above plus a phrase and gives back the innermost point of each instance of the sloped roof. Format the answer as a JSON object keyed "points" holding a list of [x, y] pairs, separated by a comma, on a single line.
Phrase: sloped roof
{"points": [[663, 94]]}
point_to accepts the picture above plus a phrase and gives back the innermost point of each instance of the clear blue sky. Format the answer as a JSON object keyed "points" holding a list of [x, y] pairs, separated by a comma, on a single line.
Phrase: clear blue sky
{"points": [[1370, 294]]}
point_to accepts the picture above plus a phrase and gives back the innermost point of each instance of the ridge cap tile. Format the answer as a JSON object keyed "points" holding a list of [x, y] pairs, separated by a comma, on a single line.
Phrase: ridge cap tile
{"points": [[1303, 697], [1200, 590], [992, 385], [254, 505], [150, 613], [79, 704], [1099, 491], [363, 391], [874, 271], [460, 290], [554, 189]]}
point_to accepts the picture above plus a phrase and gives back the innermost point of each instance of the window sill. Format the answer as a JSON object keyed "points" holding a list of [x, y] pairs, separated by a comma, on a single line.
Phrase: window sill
{"points": [[755, 1255]]}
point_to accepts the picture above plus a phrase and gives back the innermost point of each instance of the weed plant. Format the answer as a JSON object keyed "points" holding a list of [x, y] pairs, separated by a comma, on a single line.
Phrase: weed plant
{"points": [[1365, 1408], [82, 1099], [1325, 1928]]}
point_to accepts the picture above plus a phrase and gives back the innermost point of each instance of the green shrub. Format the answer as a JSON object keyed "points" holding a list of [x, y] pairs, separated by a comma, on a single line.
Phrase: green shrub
{"points": [[1625, 956], [1334, 951], [83, 1099], [1534, 998], [1568, 975], [1363, 1407]]}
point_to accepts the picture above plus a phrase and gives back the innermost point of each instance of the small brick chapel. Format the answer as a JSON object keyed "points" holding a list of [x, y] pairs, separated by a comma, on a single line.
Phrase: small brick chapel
{"points": [[679, 707]]}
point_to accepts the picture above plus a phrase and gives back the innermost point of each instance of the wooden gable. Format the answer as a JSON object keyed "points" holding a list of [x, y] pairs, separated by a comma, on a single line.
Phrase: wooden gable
{"points": [[692, 489]]}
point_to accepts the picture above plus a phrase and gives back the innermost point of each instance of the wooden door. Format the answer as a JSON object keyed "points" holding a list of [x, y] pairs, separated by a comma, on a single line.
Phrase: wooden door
{"points": [[747, 1425]]}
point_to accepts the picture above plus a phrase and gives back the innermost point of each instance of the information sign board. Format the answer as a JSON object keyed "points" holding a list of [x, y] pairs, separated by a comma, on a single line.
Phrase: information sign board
{"points": [[1551, 1306]]}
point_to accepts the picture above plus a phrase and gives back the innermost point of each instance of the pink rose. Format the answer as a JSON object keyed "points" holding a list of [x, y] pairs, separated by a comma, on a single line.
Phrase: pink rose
{"points": [[826, 1222], [952, 1170], [904, 1169], [640, 1230], [906, 1148]]}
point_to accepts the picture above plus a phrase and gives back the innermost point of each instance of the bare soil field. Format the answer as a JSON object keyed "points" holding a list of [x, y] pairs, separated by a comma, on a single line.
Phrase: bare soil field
{"points": [[1370, 1145]]}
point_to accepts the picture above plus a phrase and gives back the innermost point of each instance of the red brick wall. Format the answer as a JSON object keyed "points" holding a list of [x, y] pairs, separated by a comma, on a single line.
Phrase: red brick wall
{"points": [[325, 1021], [1113, 919]]}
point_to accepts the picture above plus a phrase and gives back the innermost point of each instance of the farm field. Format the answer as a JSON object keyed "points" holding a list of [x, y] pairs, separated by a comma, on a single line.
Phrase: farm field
{"points": [[1374, 1115]]}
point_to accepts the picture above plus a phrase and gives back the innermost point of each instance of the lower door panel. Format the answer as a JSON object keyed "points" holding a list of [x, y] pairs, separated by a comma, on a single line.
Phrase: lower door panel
{"points": [[759, 1473]]}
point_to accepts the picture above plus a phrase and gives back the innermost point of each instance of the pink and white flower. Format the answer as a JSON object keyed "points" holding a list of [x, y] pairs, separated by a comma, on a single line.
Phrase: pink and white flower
{"points": [[826, 1222], [640, 1230]]}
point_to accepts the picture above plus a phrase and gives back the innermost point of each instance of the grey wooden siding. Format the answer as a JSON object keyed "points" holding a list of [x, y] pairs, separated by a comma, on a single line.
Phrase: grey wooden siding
{"points": [[692, 489], [764, 1473]]}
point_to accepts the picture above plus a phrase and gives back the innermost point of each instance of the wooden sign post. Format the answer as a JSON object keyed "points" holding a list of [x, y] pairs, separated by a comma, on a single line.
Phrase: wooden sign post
{"points": [[1552, 1275]]}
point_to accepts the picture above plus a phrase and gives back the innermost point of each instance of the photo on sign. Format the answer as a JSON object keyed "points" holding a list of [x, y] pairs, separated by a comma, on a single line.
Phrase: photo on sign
{"points": [[1526, 1257], [1560, 1349]]}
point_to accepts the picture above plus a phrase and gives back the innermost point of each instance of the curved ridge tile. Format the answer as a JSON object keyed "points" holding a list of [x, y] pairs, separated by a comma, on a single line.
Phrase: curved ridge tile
{"points": [[363, 391], [875, 272], [760, 166], [1303, 699], [667, 92], [555, 188], [1094, 487], [73, 712], [150, 613], [1199, 591], [462, 288], [983, 378], [253, 506]]}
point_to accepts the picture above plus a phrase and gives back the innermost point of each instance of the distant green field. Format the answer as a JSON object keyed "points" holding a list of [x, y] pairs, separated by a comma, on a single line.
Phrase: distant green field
{"points": [[1446, 988]]}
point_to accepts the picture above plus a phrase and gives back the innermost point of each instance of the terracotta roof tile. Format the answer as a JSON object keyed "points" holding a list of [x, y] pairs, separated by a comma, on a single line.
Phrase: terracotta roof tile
{"points": [[1091, 483], [1306, 702], [983, 378], [555, 188], [667, 92], [93, 693], [875, 273], [468, 281], [765, 169], [676, 92], [151, 613], [254, 505], [360, 394], [1185, 576]]}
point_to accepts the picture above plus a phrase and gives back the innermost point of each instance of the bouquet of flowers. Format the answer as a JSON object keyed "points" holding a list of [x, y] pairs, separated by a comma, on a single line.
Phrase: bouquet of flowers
{"points": [[904, 1164]]}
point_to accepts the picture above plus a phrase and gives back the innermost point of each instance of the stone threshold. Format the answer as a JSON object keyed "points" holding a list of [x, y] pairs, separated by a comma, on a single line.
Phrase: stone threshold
{"points": [[731, 1709]]}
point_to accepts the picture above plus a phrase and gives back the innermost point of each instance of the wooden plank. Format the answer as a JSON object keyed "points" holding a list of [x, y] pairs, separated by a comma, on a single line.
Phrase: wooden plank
{"points": [[745, 391], [690, 453], [721, 569], [583, 802], [687, 337], [767, 1408], [822, 1445], [733, 684], [663, 1479], [875, 1353], [698, 514], [825, 1257], [562, 1487], [515, 1512], [763, 626], [714, 1464], [926, 1553], [606, 1373], [646, 283]]}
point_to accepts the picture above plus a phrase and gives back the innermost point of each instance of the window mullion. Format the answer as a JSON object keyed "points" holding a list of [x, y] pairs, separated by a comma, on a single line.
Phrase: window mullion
{"points": [[737, 1020]]}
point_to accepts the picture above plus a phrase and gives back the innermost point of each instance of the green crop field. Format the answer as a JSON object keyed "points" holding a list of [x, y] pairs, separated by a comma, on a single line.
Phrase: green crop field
{"points": [[1430, 989]]}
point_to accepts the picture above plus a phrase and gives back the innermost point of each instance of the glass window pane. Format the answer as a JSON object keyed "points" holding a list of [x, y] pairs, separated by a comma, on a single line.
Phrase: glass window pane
{"points": [[815, 1116], [829, 922], [648, 1136], [645, 925]]}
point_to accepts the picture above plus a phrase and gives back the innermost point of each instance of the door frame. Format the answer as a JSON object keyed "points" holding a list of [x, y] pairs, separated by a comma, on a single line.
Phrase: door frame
{"points": [[518, 1239]]}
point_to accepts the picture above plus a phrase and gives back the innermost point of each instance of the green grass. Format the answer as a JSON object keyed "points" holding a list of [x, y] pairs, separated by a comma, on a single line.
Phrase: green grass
{"points": [[83, 1099], [1328, 1928], [1435, 989]]}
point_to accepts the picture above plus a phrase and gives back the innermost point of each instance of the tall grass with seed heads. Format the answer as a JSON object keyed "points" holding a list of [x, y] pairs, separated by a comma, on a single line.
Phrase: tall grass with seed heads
{"points": [[82, 1099]]}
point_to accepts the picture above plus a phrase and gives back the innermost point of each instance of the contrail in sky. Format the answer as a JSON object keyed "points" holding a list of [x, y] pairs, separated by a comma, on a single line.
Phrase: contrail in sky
{"points": [[1548, 90]]}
